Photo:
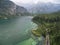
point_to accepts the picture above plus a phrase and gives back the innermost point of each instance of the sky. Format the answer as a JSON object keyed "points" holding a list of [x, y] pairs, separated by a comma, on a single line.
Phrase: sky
{"points": [[35, 1]]}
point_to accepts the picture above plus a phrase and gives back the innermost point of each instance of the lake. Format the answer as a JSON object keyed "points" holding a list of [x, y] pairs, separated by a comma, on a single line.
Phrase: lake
{"points": [[14, 31]]}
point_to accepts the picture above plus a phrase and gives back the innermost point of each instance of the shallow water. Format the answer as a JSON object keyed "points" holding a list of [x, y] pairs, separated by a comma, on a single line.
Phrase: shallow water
{"points": [[16, 30]]}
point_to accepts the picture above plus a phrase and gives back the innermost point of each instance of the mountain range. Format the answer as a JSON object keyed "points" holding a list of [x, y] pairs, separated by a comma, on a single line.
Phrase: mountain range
{"points": [[42, 7], [8, 8]]}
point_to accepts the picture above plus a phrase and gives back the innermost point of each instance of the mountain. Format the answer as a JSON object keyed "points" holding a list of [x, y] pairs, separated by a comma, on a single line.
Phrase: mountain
{"points": [[8, 8], [42, 7], [21, 10]]}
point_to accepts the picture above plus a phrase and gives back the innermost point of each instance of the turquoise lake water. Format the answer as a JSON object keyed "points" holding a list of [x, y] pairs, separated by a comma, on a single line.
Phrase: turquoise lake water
{"points": [[17, 31]]}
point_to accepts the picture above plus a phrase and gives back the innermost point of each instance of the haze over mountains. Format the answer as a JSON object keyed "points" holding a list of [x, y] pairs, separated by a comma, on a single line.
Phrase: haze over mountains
{"points": [[8, 7], [42, 7]]}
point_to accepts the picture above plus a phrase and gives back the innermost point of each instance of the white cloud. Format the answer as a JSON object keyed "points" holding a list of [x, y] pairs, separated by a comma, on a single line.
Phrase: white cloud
{"points": [[35, 1], [23, 1]]}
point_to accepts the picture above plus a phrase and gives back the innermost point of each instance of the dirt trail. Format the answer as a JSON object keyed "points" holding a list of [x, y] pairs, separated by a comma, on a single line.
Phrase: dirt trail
{"points": [[47, 41]]}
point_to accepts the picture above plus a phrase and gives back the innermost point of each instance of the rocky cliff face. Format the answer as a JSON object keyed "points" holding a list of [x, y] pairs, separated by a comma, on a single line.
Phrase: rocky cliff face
{"points": [[20, 10], [8, 8]]}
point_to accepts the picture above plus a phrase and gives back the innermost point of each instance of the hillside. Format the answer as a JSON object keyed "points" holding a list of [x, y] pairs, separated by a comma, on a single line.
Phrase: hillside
{"points": [[8, 8], [48, 25]]}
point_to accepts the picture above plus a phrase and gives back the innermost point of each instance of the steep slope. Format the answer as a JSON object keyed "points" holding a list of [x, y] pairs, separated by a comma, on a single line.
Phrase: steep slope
{"points": [[9, 9], [21, 10]]}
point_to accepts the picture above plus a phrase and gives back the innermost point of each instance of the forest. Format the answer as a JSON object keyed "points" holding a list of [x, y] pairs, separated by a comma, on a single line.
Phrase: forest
{"points": [[48, 24]]}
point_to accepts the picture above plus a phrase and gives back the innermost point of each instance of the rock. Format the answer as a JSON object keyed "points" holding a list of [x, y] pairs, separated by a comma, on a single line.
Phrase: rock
{"points": [[20, 10], [8, 9]]}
